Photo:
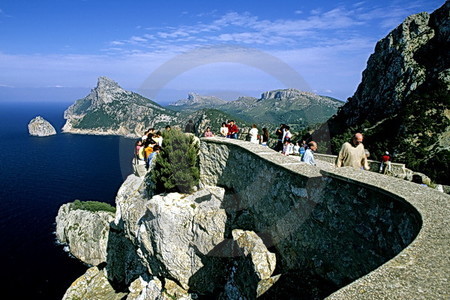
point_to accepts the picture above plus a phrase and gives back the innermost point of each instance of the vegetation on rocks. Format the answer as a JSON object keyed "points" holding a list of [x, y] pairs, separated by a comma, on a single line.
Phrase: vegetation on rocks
{"points": [[176, 168], [93, 206]]}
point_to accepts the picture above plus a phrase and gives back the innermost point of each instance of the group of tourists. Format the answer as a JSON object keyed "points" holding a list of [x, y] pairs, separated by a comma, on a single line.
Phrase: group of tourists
{"points": [[148, 146], [351, 154]]}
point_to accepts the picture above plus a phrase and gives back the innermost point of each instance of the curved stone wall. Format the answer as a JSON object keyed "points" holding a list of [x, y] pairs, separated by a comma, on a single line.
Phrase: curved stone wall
{"points": [[368, 235]]}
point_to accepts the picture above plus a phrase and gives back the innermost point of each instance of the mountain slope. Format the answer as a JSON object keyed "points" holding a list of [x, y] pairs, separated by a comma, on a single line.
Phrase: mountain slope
{"points": [[196, 102], [402, 104], [109, 109], [290, 106]]}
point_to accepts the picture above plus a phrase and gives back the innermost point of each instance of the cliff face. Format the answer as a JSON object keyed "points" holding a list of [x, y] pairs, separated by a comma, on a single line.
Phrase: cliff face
{"points": [[402, 103], [84, 232], [40, 127], [109, 109], [168, 246]]}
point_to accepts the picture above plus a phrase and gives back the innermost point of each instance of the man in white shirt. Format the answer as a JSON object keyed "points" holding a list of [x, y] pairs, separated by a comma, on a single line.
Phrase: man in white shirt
{"points": [[308, 156]]}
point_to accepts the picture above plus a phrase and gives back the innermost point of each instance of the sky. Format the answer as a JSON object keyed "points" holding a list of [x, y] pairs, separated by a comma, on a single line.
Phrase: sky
{"points": [[56, 50]]}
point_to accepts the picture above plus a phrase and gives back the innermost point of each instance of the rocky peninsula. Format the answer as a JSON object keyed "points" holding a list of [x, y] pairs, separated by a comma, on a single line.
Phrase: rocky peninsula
{"points": [[41, 127], [262, 225]]}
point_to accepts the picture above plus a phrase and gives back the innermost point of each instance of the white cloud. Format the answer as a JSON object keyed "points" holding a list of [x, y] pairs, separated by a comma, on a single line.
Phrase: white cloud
{"points": [[329, 48]]}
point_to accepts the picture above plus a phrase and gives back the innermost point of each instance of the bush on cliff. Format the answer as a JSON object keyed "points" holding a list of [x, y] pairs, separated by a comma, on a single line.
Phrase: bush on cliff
{"points": [[176, 167], [93, 206]]}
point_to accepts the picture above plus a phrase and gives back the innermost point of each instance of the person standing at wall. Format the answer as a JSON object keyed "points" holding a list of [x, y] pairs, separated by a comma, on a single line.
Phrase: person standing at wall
{"points": [[280, 134], [233, 130], [224, 130], [264, 137], [254, 134], [352, 154], [308, 156], [385, 163]]}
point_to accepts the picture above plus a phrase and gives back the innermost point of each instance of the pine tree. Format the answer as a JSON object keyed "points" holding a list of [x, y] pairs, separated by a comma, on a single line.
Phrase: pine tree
{"points": [[176, 166]]}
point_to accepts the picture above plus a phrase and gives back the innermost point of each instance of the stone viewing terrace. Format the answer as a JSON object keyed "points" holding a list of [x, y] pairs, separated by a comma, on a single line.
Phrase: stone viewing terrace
{"points": [[369, 236]]}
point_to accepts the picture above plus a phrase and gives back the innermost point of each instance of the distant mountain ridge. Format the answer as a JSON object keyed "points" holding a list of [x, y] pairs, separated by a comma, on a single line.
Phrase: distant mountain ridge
{"points": [[196, 101], [289, 106]]}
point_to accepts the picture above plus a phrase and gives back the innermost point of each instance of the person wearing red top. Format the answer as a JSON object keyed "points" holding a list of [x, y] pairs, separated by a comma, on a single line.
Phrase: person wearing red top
{"points": [[385, 161], [233, 130]]}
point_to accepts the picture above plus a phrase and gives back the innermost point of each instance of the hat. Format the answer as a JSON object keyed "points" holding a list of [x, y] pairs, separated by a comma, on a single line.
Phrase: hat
{"points": [[387, 153]]}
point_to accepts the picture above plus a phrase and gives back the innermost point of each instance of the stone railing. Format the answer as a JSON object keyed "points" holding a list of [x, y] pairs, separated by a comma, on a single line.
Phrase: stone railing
{"points": [[369, 236], [397, 169]]}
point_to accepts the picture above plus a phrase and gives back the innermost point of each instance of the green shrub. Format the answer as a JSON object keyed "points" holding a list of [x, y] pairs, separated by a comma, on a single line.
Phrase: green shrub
{"points": [[93, 206], [176, 166]]}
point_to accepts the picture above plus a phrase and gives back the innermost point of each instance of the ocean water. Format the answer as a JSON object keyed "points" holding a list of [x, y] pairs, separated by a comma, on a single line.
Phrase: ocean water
{"points": [[37, 176]]}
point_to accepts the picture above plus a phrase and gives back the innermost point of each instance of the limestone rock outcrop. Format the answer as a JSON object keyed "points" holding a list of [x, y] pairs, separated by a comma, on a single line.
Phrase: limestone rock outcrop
{"points": [[402, 102], [172, 232], [166, 246], [85, 232], [111, 110], [92, 285], [40, 127]]}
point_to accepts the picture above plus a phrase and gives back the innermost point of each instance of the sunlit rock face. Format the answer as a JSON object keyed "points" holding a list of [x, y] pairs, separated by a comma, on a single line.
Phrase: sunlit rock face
{"points": [[40, 127], [84, 232]]}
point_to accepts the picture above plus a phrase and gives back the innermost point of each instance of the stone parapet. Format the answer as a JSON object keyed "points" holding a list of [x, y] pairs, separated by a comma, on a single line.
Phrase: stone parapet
{"points": [[371, 236]]}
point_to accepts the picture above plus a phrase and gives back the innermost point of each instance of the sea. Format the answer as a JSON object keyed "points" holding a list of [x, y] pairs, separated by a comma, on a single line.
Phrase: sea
{"points": [[37, 176]]}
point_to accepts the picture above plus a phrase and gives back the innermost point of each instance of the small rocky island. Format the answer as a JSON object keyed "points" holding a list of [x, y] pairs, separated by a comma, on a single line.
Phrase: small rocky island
{"points": [[40, 127]]}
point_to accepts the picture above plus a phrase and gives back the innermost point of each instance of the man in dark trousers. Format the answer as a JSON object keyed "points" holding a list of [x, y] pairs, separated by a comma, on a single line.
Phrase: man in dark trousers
{"points": [[279, 133]]}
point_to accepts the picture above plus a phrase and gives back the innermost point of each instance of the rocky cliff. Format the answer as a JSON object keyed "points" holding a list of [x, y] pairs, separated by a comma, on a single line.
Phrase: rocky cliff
{"points": [[40, 127], [84, 232], [109, 109], [403, 103], [274, 228], [165, 247]]}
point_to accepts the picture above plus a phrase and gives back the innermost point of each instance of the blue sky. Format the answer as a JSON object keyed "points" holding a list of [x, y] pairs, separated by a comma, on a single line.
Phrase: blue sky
{"points": [[55, 50]]}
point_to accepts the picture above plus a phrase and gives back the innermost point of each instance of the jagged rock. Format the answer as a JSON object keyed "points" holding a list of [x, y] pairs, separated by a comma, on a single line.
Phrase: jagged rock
{"points": [[85, 232], [143, 290], [111, 110], [170, 234], [177, 230], [124, 264], [173, 291], [252, 269], [93, 285], [251, 244], [402, 102], [40, 127]]}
